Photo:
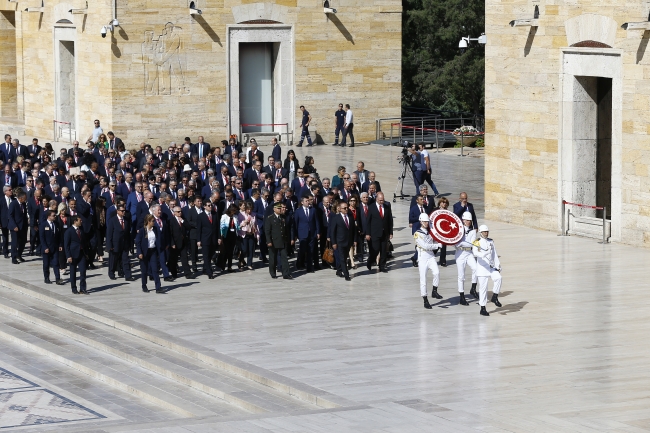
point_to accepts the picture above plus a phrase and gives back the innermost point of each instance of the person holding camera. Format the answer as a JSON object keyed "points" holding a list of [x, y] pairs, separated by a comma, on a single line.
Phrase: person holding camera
{"points": [[417, 164]]}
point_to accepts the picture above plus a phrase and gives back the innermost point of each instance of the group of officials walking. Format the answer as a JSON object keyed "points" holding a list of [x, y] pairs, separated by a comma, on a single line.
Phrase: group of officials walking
{"points": [[188, 205]]}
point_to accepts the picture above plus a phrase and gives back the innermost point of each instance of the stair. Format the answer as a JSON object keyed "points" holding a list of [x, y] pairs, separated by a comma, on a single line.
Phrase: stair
{"points": [[145, 369], [201, 357]]}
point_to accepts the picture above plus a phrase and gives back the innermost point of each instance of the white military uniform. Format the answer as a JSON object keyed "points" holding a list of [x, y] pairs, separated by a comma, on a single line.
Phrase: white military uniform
{"points": [[488, 266], [426, 248], [464, 256]]}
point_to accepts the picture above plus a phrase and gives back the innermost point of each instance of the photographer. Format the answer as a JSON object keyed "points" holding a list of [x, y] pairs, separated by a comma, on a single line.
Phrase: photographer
{"points": [[419, 167]]}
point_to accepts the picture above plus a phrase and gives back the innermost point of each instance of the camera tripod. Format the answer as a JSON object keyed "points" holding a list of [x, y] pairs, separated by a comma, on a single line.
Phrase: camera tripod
{"points": [[407, 170]]}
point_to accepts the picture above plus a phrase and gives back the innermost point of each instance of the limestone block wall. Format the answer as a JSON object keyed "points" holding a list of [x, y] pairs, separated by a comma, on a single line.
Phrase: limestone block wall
{"points": [[8, 84], [523, 109], [354, 57], [36, 64]]}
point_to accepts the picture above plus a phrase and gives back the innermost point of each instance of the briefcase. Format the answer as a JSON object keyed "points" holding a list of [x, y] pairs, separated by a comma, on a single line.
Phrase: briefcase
{"points": [[328, 254]]}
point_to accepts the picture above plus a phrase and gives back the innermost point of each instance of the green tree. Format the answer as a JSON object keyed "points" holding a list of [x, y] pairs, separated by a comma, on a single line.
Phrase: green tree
{"points": [[434, 72]]}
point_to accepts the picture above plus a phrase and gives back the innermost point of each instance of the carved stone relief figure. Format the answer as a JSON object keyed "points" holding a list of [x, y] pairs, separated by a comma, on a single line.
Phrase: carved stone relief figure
{"points": [[164, 62]]}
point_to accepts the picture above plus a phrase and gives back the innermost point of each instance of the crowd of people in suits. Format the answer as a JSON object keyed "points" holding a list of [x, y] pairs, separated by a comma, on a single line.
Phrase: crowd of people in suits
{"points": [[193, 204]]}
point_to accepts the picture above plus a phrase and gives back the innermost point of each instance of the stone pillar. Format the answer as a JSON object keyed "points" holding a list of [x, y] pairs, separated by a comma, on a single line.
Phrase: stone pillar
{"points": [[8, 83]]}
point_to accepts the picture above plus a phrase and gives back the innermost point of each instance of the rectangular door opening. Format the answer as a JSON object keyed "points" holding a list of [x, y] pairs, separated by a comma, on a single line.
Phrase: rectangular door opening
{"points": [[256, 65], [66, 80], [592, 145], [8, 77]]}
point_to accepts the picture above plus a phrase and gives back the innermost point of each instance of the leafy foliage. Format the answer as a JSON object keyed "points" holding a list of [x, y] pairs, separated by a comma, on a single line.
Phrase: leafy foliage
{"points": [[434, 73]]}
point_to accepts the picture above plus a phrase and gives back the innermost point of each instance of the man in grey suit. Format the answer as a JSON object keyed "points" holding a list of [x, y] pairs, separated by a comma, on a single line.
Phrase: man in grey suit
{"points": [[362, 174]]}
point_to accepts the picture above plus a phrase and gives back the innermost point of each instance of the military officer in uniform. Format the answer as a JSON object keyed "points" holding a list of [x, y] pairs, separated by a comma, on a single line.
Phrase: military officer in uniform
{"points": [[465, 257], [488, 266], [426, 249], [278, 235]]}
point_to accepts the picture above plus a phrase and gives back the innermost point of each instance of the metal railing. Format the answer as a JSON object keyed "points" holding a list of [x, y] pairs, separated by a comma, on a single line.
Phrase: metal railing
{"points": [[565, 217], [431, 121], [286, 133], [57, 126]]}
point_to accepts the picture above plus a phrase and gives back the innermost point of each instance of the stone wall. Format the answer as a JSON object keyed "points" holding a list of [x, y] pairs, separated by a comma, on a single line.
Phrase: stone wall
{"points": [[524, 110], [352, 57]]}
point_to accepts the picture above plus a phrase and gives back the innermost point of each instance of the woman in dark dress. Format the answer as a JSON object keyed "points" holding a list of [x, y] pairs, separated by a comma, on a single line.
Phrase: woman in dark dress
{"points": [[100, 225], [292, 165]]}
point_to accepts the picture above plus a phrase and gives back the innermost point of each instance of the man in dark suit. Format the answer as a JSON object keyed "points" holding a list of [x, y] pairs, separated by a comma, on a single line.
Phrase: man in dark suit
{"points": [[16, 150], [74, 244], [371, 179], [113, 141], [307, 229], [464, 206], [8, 177], [209, 237], [255, 152], [343, 229], [278, 240], [325, 215], [380, 231], [180, 244], [17, 225], [118, 244], [252, 174], [279, 173], [142, 209], [201, 148], [51, 246], [5, 203], [193, 220], [276, 152], [34, 209], [364, 212], [362, 173], [110, 195], [160, 221], [33, 150], [414, 220], [259, 210], [428, 202]]}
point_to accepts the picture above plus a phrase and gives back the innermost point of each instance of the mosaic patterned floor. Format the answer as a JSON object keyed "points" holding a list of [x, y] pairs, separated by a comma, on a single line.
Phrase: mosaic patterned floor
{"points": [[25, 403]]}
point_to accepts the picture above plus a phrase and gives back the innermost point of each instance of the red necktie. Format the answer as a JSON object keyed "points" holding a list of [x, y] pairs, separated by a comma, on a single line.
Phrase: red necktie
{"points": [[210, 218], [345, 218], [122, 223], [381, 211], [365, 210]]}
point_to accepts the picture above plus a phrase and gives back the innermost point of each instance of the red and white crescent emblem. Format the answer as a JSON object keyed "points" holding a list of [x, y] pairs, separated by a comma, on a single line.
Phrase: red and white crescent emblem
{"points": [[446, 227]]}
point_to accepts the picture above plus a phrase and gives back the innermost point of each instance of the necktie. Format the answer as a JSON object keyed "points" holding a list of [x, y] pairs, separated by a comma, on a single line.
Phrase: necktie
{"points": [[426, 203], [78, 234], [159, 222], [52, 227], [307, 212], [122, 223], [421, 210], [138, 197], [210, 218], [277, 176], [345, 218], [381, 211], [7, 179], [302, 182]]}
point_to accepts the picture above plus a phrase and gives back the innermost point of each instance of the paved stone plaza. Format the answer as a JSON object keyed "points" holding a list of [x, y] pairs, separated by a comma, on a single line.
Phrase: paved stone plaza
{"points": [[566, 353]]}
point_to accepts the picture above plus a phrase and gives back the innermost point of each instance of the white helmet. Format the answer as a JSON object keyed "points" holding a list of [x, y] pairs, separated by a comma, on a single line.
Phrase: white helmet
{"points": [[423, 217], [483, 228], [467, 216]]}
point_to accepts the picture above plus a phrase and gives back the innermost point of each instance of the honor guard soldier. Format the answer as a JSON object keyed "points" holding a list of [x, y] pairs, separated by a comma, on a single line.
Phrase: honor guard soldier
{"points": [[465, 257], [488, 266], [426, 248]]}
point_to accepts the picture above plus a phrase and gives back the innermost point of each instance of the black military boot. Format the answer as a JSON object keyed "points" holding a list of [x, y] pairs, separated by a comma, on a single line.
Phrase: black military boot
{"points": [[426, 303], [434, 293], [484, 312], [495, 299], [463, 301], [473, 291]]}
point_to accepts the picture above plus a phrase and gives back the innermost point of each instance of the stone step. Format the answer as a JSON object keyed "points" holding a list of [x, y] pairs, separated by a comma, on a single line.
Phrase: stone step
{"points": [[235, 390], [220, 361], [113, 371]]}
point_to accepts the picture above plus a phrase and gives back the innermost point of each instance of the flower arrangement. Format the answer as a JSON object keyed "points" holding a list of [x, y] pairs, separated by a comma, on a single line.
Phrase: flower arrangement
{"points": [[467, 131]]}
